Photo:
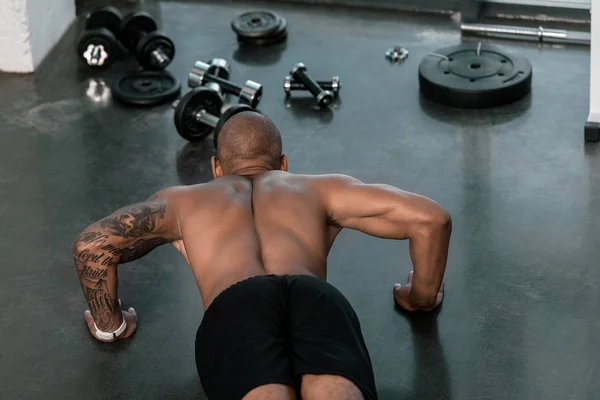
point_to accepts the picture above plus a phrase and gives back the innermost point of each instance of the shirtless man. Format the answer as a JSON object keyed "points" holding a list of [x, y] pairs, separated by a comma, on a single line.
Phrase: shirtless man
{"points": [[257, 240]]}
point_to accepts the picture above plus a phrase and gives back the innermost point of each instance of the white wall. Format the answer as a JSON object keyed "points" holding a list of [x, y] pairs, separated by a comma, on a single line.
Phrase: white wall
{"points": [[29, 29], [595, 64]]}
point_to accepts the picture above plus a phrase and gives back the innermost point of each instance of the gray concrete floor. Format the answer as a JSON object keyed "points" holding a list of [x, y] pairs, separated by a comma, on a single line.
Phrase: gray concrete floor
{"points": [[520, 318]]}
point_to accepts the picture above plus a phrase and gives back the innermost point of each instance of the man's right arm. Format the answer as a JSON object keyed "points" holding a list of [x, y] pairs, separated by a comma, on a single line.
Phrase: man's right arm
{"points": [[387, 212]]}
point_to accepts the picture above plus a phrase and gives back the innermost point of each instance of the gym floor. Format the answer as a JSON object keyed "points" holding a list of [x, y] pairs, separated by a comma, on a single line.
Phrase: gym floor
{"points": [[519, 319]]}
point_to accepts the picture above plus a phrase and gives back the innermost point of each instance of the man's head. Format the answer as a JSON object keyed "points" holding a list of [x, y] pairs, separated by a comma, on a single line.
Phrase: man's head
{"points": [[249, 143]]}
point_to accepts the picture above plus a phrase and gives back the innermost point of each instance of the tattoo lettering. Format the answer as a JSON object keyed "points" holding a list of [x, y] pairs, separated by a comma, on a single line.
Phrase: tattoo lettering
{"points": [[112, 249], [136, 220], [140, 249], [108, 262], [93, 238], [86, 256], [94, 274]]}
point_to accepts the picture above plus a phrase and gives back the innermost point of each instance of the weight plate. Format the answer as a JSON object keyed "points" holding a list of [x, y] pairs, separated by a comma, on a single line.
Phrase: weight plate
{"points": [[98, 48], [148, 44], [106, 17], [231, 111], [132, 25], [146, 88], [474, 75], [256, 24], [280, 36], [186, 121]]}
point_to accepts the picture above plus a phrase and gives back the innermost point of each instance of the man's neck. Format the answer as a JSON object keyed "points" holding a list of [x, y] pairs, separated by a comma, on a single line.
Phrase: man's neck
{"points": [[251, 172]]}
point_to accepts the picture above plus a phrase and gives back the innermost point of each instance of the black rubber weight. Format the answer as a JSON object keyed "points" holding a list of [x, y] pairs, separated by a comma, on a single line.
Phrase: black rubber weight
{"points": [[132, 24], [279, 36], [99, 37], [474, 75], [231, 111], [106, 17], [256, 24], [146, 88], [194, 101]]}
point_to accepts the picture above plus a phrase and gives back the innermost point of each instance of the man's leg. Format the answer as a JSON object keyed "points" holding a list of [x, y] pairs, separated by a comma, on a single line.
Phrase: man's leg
{"points": [[329, 387], [242, 344], [272, 392], [328, 351]]}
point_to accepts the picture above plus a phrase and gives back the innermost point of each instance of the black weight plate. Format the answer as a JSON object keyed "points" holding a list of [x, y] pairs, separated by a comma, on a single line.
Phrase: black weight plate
{"points": [[98, 37], [146, 88], [188, 107], [230, 112], [277, 37], [256, 24], [460, 77], [268, 41], [149, 43], [106, 17], [132, 25]]}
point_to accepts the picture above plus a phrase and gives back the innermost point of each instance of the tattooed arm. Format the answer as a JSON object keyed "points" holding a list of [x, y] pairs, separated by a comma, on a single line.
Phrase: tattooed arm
{"points": [[124, 236]]}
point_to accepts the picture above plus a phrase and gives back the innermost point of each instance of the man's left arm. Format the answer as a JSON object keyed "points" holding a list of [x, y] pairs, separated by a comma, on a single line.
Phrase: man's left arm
{"points": [[126, 235]]}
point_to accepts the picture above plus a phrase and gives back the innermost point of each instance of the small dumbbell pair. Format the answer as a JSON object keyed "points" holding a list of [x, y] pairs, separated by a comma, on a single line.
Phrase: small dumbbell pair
{"points": [[98, 47], [323, 91], [215, 75]]}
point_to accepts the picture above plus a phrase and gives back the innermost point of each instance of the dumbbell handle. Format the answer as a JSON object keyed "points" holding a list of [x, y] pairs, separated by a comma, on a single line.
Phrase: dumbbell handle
{"points": [[227, 86], [300, 74], [326, 85], [204, 117]]}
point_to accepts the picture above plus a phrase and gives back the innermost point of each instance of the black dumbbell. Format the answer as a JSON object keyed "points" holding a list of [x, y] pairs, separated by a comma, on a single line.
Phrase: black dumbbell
{"points": [[198, 113], [324, 97], [152, 48], [201, 75], [98, 47], [218, 67], [290, 84]]}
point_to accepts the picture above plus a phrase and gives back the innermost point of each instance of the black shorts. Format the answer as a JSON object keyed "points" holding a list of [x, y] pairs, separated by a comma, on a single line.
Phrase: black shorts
{"points": [[274, 329]]}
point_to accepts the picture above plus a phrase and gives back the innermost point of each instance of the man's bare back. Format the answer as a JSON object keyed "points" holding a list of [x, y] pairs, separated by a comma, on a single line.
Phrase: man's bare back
{"points": [[256, 219], [233, 228]]}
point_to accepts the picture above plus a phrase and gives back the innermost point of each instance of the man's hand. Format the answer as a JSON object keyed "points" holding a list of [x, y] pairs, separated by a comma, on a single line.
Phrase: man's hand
{"points": [[402, 296], [130, 319]]}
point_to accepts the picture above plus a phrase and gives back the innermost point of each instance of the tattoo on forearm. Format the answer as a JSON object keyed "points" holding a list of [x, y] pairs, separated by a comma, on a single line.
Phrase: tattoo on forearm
{"points": [[94, 274], [93, 238], [102, 306], [120, 238], [95, 288], [86, 256], [136, 220]]}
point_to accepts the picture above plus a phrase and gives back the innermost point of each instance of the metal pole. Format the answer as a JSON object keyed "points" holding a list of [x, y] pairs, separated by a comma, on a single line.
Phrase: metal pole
{"points": [[518, 32]]}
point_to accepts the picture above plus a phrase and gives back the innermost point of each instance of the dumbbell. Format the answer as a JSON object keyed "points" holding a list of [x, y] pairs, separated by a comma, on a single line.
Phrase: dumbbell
{"points": [[202, 74], [98, 47], [334, 85], [218, 67], [198, 113], [324, 97], [152, 48]]}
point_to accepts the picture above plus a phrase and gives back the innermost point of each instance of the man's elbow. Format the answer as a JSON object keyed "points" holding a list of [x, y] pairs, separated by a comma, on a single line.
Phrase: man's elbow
{"points": [[439, 220]]}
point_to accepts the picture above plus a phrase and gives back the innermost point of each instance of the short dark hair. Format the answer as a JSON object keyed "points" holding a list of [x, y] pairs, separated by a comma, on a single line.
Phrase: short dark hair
{"points": [[249, 136]]}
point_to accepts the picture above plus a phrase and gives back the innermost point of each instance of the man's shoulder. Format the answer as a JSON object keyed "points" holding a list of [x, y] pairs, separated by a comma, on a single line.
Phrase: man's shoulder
{"points": [[315, 183], [288, 176]]}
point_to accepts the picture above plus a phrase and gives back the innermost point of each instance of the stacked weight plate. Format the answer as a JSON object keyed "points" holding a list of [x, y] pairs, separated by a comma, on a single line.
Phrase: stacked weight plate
{"points": [[474, 75], [260, 28]]}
